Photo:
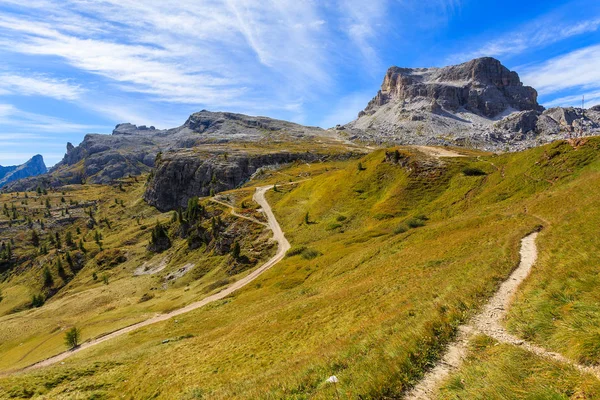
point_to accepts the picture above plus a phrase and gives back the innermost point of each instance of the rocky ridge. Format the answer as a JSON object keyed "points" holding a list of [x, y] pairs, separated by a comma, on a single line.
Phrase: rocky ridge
{"points": [[132, 150], [479, 104]]}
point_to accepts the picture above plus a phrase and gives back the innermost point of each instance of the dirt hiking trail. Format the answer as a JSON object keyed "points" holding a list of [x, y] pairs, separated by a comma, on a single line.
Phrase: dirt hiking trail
{"points": [[488, 321], [282, 247]]}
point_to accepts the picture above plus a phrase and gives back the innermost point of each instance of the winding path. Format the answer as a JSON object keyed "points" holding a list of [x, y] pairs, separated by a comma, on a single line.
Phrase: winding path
{"points": [[282, 247], [488, 321]]}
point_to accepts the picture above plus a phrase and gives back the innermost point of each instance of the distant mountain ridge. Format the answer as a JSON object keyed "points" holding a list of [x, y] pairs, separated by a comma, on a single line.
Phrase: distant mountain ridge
{"points": [[132, 150], [480, 103], [34, 167]]}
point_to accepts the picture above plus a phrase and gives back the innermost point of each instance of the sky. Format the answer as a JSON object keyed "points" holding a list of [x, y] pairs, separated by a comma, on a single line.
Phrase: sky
{"points": [[71, 67]]}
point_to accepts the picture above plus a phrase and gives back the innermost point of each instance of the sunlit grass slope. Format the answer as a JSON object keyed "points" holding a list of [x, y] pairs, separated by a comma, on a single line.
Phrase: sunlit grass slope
{"points": [[107, 291], [387, 259]]}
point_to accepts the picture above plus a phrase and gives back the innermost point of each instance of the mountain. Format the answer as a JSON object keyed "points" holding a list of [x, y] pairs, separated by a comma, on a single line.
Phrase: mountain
{"points": [[35, 166], [132, 150], [480, 103]]}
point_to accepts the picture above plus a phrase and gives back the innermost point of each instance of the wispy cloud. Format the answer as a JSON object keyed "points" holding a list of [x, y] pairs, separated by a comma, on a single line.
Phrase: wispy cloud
{"points": [[38, 85], [591, 98], [193, 53], [362, 22], [13, 118], [578, 69], [535, 34]]}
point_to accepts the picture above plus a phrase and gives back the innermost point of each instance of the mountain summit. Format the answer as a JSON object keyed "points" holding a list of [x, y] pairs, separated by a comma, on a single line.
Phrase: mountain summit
{"points": [[480, 103], [35, 166], [482, 86]]}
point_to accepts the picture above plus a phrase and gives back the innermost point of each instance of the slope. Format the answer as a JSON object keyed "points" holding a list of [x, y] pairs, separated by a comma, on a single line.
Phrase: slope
{"points": [[381, 272]]}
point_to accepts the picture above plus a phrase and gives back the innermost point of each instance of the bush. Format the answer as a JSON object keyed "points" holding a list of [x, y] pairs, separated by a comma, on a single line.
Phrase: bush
{"points": [[146, 297], [309, 254], [72, 338], [400, 229], [37, 300], [415, 223], [294, 251], [471, 171], [107, 259]]}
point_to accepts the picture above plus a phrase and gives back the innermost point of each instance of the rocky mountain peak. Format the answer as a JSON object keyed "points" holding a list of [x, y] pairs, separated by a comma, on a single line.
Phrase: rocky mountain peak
{"points": [[482, 86], [479, 103], [130, 129]]}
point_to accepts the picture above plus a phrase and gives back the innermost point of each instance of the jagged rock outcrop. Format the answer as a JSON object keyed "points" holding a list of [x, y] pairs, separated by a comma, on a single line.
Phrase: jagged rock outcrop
{"points": [[34, 167], [182, 175], [479, 103]]}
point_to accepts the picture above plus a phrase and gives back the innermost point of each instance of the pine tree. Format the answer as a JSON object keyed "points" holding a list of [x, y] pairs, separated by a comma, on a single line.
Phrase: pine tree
{"points": [[48, 279], [235, 251], [69, 239], [35, 238]]}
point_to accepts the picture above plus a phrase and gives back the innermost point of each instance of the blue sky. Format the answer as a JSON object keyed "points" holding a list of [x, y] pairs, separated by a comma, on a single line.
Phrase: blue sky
{"points": [[70, 67]]}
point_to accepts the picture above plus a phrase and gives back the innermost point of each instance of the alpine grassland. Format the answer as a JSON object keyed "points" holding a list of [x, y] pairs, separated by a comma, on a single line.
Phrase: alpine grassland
{"points": [[390, 253]]}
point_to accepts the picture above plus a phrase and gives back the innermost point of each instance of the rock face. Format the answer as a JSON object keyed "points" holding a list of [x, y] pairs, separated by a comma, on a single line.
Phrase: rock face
{"points": [[479, 103], [131, 149], [482, 86], [182, 175], [35, 166]]}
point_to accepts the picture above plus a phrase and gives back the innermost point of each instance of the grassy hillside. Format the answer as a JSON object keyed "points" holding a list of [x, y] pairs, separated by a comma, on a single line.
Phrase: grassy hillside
{"points": [[390, 254], [110, 285]]}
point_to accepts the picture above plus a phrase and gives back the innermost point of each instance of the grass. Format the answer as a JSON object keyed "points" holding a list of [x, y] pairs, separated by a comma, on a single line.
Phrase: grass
{"points": [[115, 298], [375, 308], [500, 371]]}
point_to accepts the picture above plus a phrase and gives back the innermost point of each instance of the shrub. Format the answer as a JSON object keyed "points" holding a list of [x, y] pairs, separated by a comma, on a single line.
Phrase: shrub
{"points": [[110, 258], [415, 223], [309, 254], [400, 229], [471, 171], [146, 297], [37, 300], [235, 251], [294, 251]]}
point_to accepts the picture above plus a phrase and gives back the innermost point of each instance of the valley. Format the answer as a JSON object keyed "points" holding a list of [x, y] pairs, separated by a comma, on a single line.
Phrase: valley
{"points": [[443, 245]]}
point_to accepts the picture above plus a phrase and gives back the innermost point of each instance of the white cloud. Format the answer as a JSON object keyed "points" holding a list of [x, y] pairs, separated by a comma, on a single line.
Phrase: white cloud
{"points": [[591, 99], [16, 119], [577, 69], [535, 34], [38, 85], [195, 52], [362, 21]]}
